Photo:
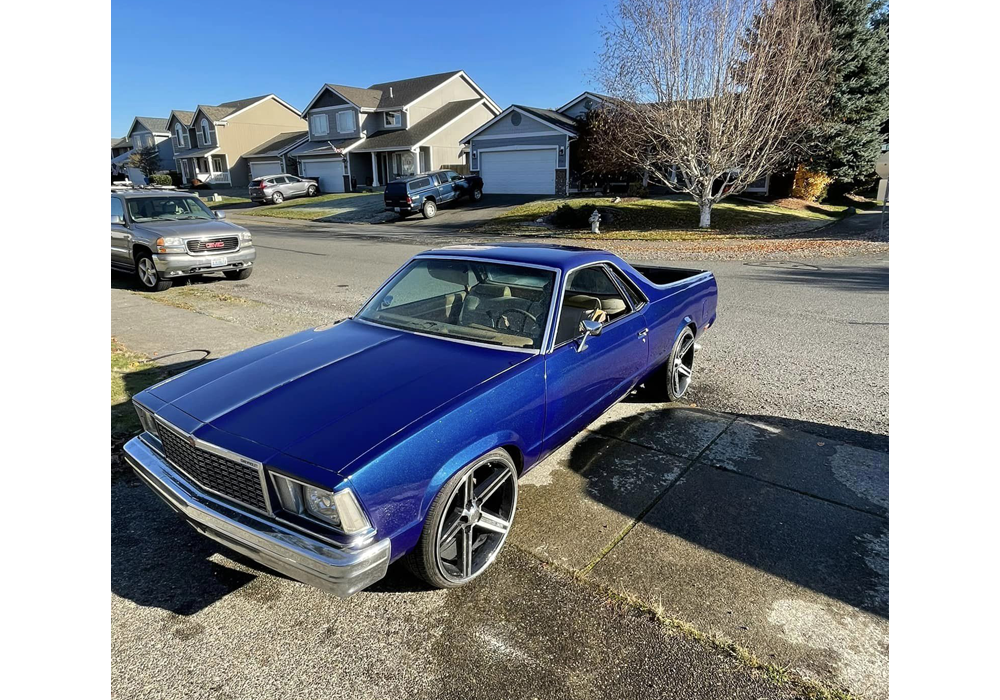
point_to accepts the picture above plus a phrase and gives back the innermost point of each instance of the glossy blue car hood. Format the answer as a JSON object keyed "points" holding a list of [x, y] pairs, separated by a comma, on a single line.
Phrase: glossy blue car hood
{"points": [[330, 396]]}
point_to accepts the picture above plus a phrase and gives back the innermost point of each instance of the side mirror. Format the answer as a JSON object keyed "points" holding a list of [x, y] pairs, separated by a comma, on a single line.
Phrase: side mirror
{"points": [[589, 329], [117, 220], [220, 215]]}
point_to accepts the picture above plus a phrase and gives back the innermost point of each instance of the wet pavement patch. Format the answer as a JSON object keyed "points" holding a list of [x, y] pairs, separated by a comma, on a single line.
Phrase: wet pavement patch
{"points": [[663, 427]]}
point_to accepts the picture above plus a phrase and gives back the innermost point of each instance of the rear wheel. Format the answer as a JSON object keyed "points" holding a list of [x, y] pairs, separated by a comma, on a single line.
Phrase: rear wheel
{"points": [[429, 210], [467, 523], [149, 278], [277, 198], [680, 365], [238, 274]]}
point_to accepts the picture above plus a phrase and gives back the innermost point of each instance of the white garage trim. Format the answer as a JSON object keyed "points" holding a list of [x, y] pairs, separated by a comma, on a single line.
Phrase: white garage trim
{"points": [[264, 167], [519, 175]]}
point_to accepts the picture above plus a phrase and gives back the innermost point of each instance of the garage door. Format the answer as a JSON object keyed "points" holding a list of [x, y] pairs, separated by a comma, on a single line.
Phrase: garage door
{"points": [[519, 172], [329, 173], [267, 167]]}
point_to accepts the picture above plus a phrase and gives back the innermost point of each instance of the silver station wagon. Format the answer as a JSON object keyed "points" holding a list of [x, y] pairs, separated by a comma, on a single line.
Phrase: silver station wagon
{"points": [[161, 237]]}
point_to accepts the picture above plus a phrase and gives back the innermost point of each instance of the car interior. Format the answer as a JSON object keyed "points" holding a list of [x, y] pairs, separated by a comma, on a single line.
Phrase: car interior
{"points": [[485, 302]]}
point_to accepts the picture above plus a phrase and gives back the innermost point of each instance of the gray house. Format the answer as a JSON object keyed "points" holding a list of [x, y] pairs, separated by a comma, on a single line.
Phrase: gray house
{"points": [[146, 132], [368, 136], [529, 150]]}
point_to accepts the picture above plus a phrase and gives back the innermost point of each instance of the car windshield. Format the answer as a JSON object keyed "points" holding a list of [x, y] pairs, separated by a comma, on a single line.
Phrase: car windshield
{"points": [[490, 303], [167, 209]]}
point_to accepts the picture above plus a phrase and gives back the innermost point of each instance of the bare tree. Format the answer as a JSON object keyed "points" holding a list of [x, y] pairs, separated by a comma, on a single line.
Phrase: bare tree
{"points": [[145, 160], [708, 95]]}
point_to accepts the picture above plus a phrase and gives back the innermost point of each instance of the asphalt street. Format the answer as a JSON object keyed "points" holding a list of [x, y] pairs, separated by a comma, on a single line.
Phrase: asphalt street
{"points": [[761, 515]]}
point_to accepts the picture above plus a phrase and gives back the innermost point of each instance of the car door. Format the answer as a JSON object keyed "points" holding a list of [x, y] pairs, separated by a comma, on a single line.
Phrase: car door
{"points": [[580, 385], [121, 237], [446, 190], [296, 187]]}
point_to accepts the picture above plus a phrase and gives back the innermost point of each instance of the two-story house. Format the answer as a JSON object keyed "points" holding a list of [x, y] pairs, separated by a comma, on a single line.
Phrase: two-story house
{"points": [[369, 136], [146, 132], [212, 143]]}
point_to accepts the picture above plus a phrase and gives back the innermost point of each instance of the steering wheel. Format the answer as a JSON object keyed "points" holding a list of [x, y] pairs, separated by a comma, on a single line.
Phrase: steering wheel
{"points": [[525, 317]]}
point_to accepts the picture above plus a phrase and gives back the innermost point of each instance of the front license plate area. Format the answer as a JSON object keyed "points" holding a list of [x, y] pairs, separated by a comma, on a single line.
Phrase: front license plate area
{"points": [[220, 262]]}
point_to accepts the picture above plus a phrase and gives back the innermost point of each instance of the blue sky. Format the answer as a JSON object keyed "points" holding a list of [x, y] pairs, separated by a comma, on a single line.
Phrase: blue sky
{"points": [[167, 57]]}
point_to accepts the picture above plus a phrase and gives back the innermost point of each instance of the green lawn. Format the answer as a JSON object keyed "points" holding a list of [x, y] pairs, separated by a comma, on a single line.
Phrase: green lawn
{"points": [[319, 207], [662, 218], [130, 374], [228, 202]]}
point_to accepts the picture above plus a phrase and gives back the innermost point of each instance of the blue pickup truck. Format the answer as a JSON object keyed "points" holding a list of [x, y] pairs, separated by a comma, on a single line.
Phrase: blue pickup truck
{"points": [[401, 433], [426, 192]]}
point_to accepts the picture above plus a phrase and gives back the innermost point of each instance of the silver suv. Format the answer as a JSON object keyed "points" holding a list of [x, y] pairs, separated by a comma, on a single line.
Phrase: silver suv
{"points": [[278, 188], [164, 236]]}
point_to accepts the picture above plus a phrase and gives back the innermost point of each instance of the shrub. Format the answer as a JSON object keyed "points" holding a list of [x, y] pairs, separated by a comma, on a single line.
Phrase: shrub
{"points": [[567, 216], [160, 179], [810, 185], [637, 189]]}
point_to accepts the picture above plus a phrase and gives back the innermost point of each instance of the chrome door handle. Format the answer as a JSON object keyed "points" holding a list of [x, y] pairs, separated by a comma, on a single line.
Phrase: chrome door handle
{"points": [[643, 333]]}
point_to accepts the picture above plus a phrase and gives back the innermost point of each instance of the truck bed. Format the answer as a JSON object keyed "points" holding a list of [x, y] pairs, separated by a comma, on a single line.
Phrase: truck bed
{"points": [[665, 275]]}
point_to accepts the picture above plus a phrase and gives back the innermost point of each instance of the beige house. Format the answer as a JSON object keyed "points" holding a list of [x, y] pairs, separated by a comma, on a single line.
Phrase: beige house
{"points": [[211, 143], [359, 137]]}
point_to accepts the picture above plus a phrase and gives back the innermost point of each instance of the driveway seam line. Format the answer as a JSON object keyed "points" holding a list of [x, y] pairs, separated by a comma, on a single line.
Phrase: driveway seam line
{"points": [[655, 502], [795, 490]]}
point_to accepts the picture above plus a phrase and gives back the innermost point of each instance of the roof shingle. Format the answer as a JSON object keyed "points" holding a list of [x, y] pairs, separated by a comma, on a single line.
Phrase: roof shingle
{"points": [[405, 138], [277, 146]]}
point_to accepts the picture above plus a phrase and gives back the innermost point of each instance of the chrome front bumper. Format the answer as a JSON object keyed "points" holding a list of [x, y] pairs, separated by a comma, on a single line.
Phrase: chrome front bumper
{"points": [[342, 572], [178, 264]]}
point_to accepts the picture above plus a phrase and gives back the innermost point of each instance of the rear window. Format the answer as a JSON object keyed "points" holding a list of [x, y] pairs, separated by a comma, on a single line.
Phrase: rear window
{"points": [[395, 188], [259, 181], [419, 184]]}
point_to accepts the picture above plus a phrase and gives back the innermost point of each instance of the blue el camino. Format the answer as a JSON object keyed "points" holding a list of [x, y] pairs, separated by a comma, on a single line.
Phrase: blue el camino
{"points": [[401, 432]]}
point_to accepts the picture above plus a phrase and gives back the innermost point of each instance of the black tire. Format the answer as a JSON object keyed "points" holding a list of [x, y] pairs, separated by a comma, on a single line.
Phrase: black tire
{"points": [[423, 559], [238, 274], [147, 276], [477, 194], [312, 191], [429, 209], [681, 361], [277, 198]]}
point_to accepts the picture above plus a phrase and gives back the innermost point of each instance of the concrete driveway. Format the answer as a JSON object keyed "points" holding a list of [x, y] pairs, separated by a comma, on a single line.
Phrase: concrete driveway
{"points": [[465, 214]]}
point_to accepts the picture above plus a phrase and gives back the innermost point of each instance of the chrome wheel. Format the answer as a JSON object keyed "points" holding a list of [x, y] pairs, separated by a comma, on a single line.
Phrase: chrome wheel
{"points": [[476, 520], [147, 271], [683, 364]]}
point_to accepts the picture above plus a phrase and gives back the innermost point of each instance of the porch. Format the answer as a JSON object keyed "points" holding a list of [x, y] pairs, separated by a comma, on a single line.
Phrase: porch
{"points": [[209, 169], [376, 168]]}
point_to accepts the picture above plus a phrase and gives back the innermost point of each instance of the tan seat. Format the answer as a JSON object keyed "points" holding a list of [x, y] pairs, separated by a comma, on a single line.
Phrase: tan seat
{"points": [[576, 308]]}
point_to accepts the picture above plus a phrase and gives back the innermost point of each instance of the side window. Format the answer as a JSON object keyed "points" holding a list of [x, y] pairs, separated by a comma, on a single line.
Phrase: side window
{"points": [[419, 184], [590, 296], [634, 295], [116, 208], [442, 178], [453, 175]]}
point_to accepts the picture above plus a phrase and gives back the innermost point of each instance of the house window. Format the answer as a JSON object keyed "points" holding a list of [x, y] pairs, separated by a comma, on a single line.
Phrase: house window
{"points": [[218, 164], [179, 135], [319, 124], [184, 170], [206, 132], [345, 122], [392, 119]]}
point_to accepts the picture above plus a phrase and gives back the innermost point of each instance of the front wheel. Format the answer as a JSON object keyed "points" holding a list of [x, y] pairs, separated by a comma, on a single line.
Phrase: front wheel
{"points": [[680, 365], [238, 274], [312, 191], [429, 210], [149, 278], [467, 522], [477, 194]]}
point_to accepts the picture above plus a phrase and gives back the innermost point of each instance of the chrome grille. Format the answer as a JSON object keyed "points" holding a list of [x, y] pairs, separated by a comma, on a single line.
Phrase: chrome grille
{"points": [[214, 245], [225, 477]]}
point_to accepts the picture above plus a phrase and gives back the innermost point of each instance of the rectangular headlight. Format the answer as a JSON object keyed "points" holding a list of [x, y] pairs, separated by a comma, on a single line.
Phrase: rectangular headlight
{"points": [[146, 418], [339, 509]]}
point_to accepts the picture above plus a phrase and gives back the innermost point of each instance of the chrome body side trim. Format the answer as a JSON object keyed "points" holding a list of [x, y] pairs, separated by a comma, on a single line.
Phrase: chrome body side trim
{"points": [[342, 572]]}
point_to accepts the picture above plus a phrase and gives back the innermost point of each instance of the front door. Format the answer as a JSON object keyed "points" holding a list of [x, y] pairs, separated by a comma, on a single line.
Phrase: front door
{"points": [[121, 237], [580, 386], [185, 173]]}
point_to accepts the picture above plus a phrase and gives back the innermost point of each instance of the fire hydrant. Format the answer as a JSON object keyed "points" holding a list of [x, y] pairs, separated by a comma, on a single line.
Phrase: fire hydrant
{"points": [[595, 222]]}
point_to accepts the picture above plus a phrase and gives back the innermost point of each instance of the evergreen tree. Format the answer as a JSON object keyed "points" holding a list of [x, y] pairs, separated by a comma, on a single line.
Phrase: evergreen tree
{"points": [[848, 143]]}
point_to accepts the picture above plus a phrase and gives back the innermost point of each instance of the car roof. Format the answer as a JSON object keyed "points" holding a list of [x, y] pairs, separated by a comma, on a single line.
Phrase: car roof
{"points": [[562, 257], [152, 193], [408, 178]]}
